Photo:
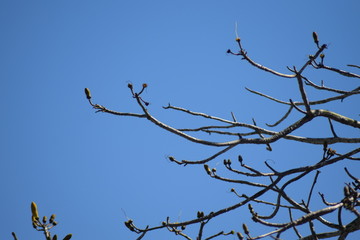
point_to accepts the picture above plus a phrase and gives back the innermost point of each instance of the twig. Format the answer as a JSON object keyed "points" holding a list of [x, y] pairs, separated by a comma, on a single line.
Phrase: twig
{"points": [[261, 136], [351, 176], [342, 72], [14, 235], [281, 119], [294, 227], [352, 65], [302, 220], [303, 93], [332, 128], [312, 188]]}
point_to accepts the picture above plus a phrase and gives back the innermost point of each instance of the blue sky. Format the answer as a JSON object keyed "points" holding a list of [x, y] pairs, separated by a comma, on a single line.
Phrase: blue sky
{"points": [[95, 170]]}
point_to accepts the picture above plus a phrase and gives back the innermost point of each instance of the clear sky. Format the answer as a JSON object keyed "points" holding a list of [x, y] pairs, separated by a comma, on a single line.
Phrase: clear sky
{"points": [[96, 170]]}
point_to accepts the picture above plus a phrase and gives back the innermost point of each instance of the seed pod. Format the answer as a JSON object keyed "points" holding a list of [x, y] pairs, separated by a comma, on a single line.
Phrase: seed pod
{"points": [[130, 85], [316, 38], [237, 39], [171, 158], [332, 151], [67, 237], [346, 191], [54, 237], [200, 214], [213, 170], [34, 211], [52, 218], [144, 85], [240, 236], [322, 56], [207, 169], [240, 159], [87, 93], [44, 219], [183, 227], [54, 223], [245, 228], [225, 162]]}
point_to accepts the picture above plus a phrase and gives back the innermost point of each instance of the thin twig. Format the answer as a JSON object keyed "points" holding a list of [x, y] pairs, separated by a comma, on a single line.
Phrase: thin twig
{"points": [[312, 188], [332, 128], [281, 119]]}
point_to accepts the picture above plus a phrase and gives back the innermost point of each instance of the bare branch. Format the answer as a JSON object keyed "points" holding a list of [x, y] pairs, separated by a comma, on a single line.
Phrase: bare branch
{"points": [[342, 72]]}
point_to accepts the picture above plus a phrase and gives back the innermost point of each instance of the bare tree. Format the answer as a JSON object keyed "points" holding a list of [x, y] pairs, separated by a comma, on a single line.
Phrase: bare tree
{"points": [[276, 182]]}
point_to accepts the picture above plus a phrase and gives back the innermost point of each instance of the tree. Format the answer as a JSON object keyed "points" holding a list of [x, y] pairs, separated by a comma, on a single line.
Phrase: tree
{"points": [[277, 182], [328, 219]]}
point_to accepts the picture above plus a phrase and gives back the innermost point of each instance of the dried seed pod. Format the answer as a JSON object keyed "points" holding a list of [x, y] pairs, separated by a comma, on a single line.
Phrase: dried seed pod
{"points": [[207, 169], [240, 236], [144, 85], [44, 219], [67, 237], [34, 211], [200, 214], [128, 224], [240, 159], [246, 229], [213, 170], [225, 162], [52, 218], [346, 191], [330, 153], [87, 93], [316, 38]]}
